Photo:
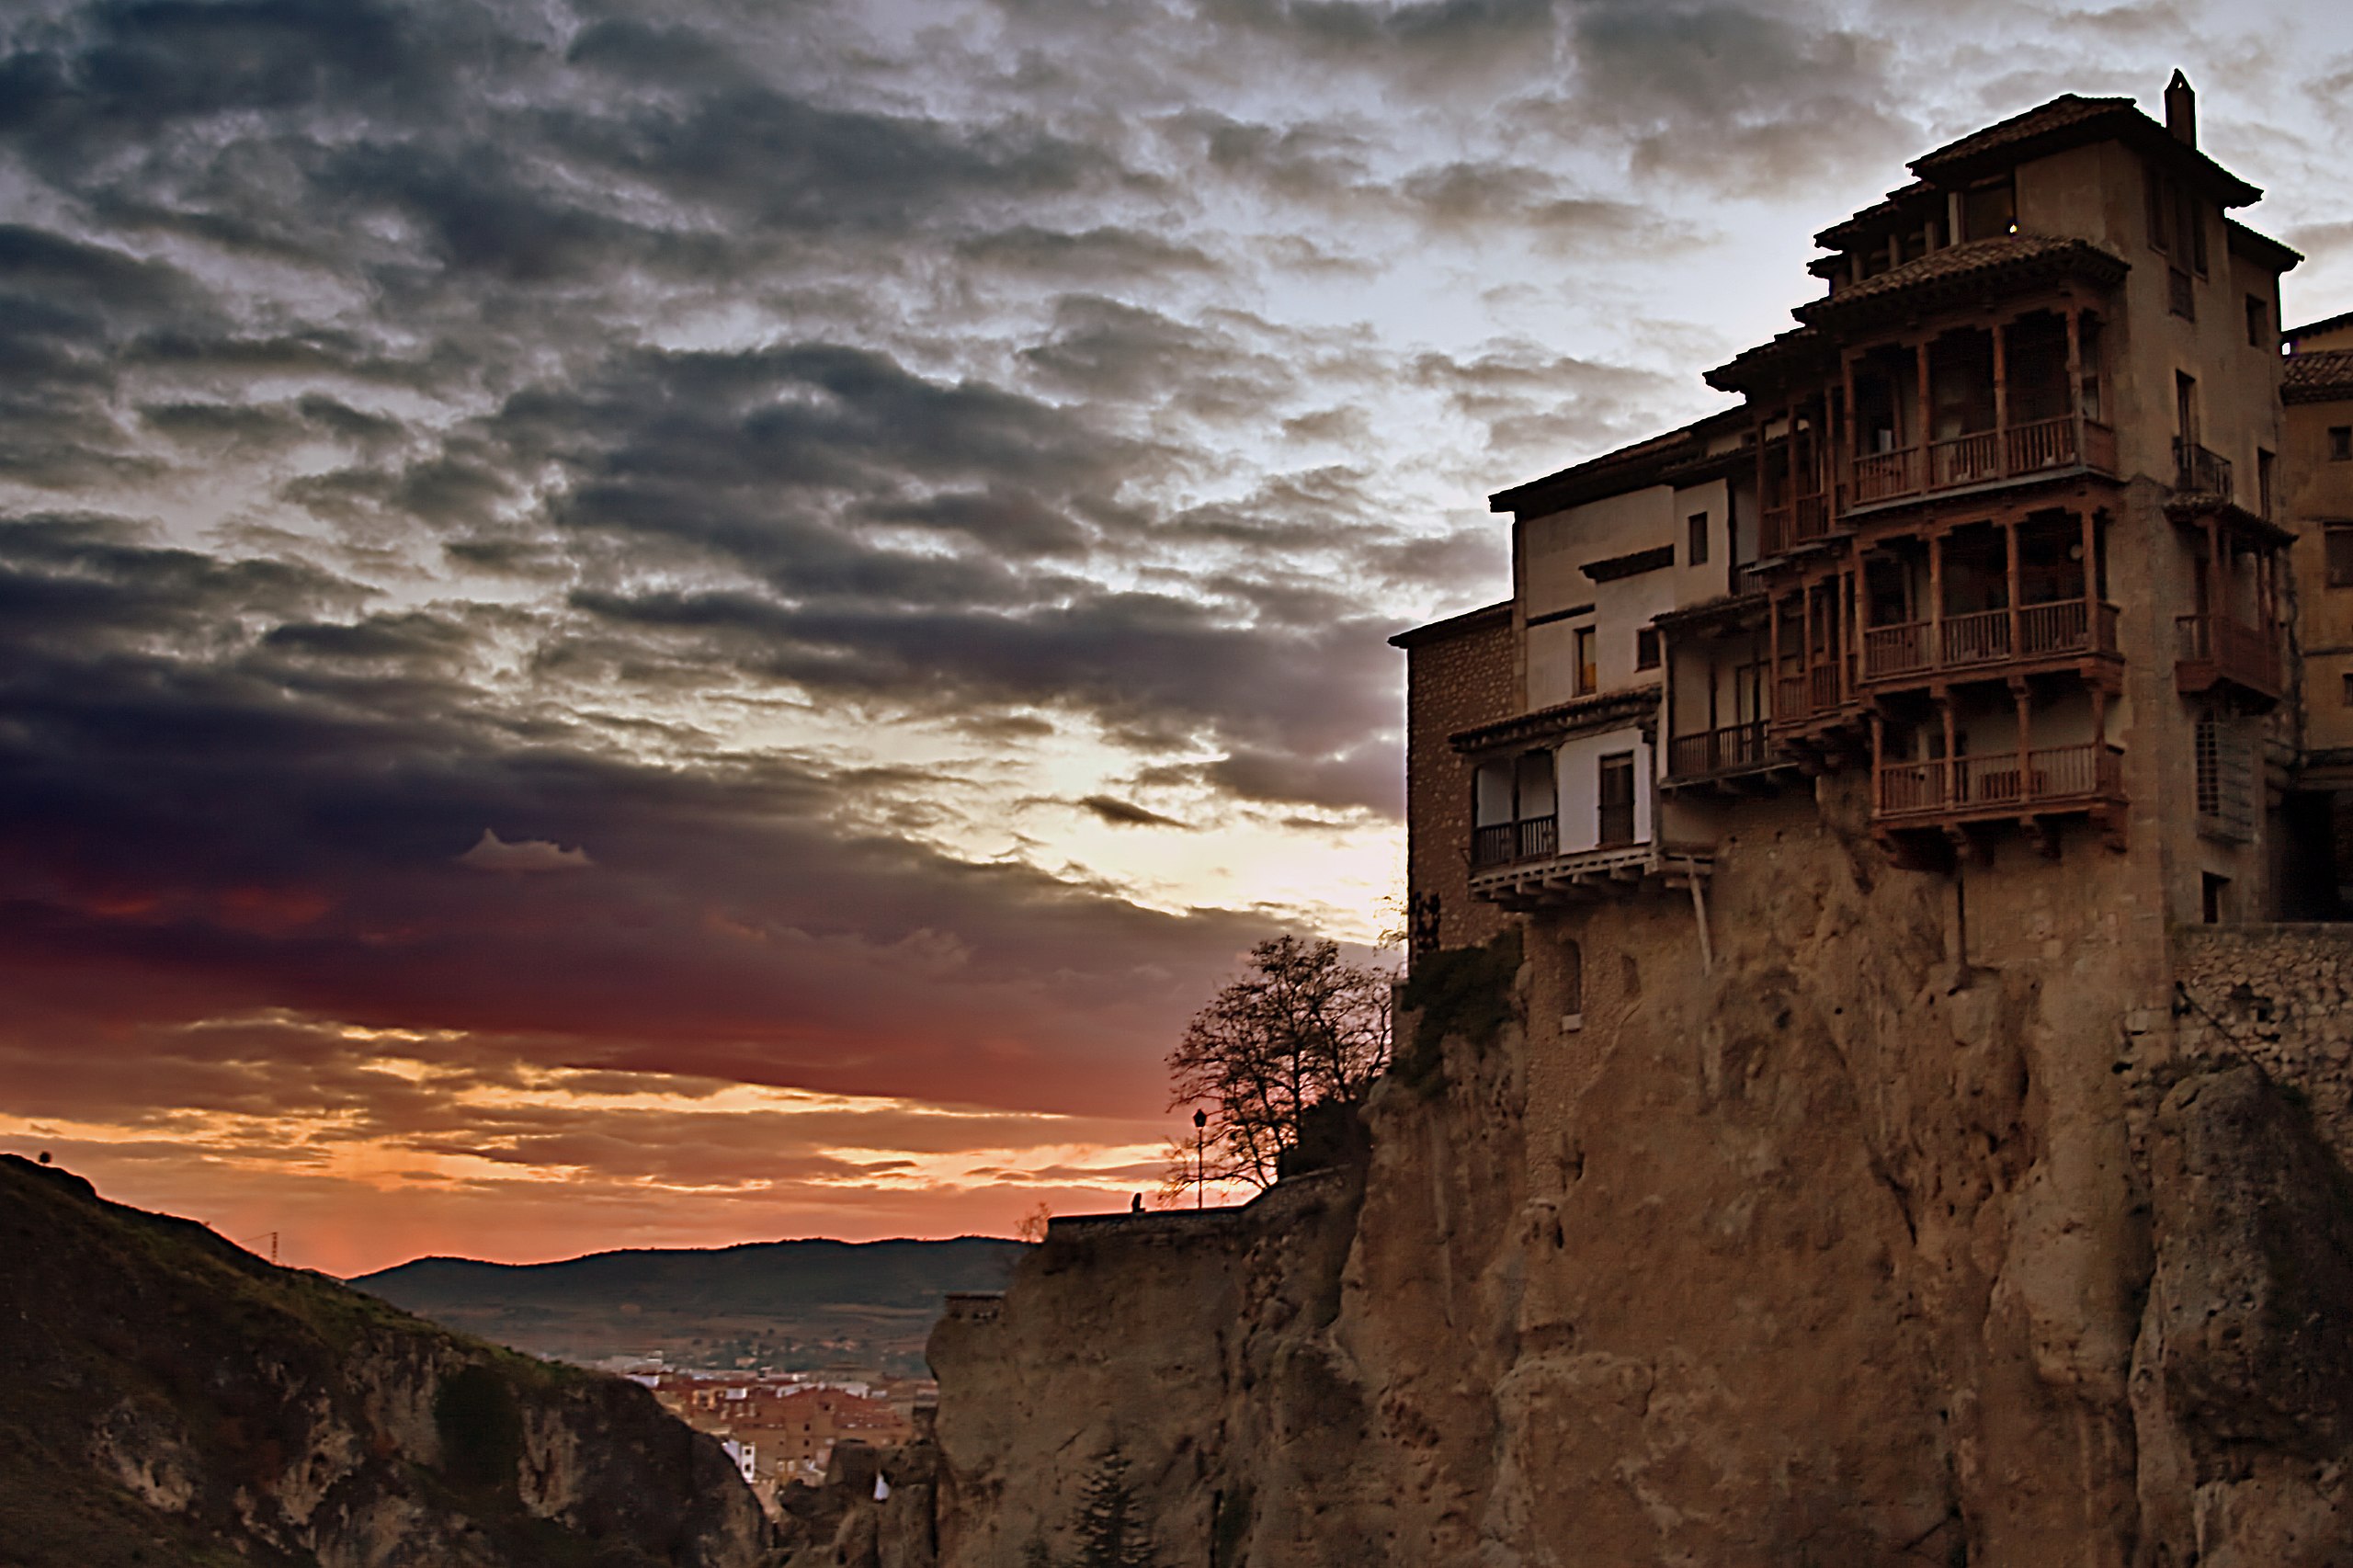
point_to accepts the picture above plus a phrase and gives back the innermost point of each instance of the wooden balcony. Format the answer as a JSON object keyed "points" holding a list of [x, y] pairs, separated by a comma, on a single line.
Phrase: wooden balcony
{"points": [[1987, 641], [2049, 782], [2217, 653], [1505, 844], [2030, 451], [1609, 871], [1802, 696], [1800, 520], [1711, 755], [2197, 471]]}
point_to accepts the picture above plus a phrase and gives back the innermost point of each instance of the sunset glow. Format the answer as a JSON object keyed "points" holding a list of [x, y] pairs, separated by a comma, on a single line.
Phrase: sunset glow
{"points": [[663, 624]]}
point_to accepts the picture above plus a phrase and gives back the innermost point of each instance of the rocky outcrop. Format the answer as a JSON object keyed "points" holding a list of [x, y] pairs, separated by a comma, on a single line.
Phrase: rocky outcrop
{"points": [[1889, 1227], [165, 1397]]}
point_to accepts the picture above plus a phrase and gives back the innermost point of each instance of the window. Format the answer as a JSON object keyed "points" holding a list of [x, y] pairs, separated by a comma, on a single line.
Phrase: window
{"points": [[1698, 553], [2345, 692], [2258, 322], [1617, 796], [2340, 443], [2211, 892], [2225, 758], [1990, 210], [2337, 540], [1588, 677], [2263, 483], [1646, 649], [2157, 223]]}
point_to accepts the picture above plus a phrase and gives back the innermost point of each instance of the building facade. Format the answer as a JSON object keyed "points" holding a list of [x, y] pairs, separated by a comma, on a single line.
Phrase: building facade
{"points": [[1995, 567]]}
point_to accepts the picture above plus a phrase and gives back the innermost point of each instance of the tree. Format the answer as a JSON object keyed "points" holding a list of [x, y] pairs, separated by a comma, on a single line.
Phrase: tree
{"points": [[1299, 1037]]}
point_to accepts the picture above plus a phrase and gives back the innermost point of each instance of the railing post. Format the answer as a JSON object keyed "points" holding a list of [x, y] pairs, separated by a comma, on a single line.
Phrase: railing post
{"points": [[2011, 540], [2026, 744], [1936, 599], [2001, 403]]}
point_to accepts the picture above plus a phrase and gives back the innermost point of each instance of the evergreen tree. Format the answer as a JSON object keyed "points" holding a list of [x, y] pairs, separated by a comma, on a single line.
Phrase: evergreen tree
{"points": [[1112, 1530]]}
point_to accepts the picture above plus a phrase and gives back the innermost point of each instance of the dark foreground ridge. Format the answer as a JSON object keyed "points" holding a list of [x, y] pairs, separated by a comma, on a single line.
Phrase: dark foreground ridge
{"points": [[168, 1398]]}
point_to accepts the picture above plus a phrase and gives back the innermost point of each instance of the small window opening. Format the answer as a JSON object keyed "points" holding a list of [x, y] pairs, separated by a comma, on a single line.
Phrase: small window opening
{"points": [[1588, 672], [1646, 649], [2338, 541], [2213, 893], [2340, 443], [2258, 322], [2344, 693], [1698, 525]]}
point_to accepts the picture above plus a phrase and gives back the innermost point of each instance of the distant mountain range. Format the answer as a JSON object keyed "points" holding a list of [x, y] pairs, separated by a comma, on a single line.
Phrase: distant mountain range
{"points": [[797, 1304]]}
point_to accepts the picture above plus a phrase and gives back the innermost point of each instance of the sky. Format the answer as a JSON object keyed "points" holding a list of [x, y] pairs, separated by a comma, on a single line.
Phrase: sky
{"points": [[661, 624]]}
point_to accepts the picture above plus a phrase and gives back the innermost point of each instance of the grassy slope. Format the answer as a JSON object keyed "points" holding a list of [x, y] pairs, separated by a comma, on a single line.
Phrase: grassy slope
{"points": [[185, 1341]]}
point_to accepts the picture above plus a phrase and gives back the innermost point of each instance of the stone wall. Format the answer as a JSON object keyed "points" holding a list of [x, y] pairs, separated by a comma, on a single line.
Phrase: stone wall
{"points": [[1459, 674], [2281, 996]]}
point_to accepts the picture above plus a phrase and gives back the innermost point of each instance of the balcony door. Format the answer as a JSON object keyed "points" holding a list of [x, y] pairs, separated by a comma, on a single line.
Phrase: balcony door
{"points": [[1617, 798]]}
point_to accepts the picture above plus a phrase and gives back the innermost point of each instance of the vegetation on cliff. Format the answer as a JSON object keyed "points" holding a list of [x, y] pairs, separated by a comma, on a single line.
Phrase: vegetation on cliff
{"points": [[168, 1398]]}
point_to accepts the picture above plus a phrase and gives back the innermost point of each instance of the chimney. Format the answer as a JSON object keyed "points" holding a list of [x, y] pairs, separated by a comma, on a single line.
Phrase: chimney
{"points": [[2181, 110]]}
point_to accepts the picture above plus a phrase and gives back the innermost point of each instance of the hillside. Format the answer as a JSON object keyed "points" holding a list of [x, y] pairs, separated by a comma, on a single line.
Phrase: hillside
{"points": [[168, 1398], [789, 1303]]}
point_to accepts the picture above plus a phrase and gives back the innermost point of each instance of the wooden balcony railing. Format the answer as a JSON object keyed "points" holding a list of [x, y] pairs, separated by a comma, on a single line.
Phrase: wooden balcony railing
{"points": [[2053, 777], [1964, 460], [1883, 475], [2197, 471], [1793, 523], [1731, 749], [1988, 637], [2045, 443], [1503, 843], [2222, 648], [2018, 451]]}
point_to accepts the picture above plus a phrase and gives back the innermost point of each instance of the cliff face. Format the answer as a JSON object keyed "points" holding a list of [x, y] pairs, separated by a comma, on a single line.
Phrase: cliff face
{"points": [[1877, 1231], [165, 1397]]}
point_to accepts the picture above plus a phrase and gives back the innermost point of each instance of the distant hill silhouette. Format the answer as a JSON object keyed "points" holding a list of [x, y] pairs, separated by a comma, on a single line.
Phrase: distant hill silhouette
{"points": [[795, 1303]]}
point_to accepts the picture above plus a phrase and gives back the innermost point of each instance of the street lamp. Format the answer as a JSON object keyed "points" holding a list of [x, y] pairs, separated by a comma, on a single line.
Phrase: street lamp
{"points": [[1200, 1161]]}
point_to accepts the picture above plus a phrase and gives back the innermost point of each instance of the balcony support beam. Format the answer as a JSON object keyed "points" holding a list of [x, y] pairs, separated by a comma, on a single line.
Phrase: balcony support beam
{"points": [[2026, 744], [2014, 577]]}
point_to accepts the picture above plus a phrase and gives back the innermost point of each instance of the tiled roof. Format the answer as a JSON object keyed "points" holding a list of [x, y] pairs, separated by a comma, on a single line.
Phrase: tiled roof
{"points": [[1968, 260], [1833, 237], [2322, 375], [2062, 114], [2066, 121], [1646, 462]]}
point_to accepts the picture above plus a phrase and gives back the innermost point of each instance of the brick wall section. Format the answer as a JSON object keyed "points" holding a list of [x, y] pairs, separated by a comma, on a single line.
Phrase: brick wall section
{"points": [[2282, 996], [1459, 674]]}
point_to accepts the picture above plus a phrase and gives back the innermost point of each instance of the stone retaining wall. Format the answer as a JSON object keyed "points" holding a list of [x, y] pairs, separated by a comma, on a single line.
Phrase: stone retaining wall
{"points": [[2281, 997]]}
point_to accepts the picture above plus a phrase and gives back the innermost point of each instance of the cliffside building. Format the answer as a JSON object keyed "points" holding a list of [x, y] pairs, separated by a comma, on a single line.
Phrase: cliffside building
{"points": [[2005, 537]]}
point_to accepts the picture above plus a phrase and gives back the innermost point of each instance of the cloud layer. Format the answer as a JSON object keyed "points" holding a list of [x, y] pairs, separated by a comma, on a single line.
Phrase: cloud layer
{"points": [[687, 620]]}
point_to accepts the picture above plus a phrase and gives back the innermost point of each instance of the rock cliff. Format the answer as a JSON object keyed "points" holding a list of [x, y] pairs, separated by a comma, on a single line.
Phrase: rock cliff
{"points": [[168, 1398], [1853, 1237]]}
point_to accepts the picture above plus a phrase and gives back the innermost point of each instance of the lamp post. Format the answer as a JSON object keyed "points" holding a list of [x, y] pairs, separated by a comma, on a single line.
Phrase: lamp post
{"points": [[1200, 1159]]}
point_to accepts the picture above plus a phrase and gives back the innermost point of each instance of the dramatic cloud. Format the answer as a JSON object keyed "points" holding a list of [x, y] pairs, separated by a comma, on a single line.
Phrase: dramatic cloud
{"points": [[662, 622]]}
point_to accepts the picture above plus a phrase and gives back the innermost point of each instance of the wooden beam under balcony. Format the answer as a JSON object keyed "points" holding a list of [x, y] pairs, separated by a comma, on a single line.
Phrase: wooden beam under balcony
{"points": [[1607, 871]]}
